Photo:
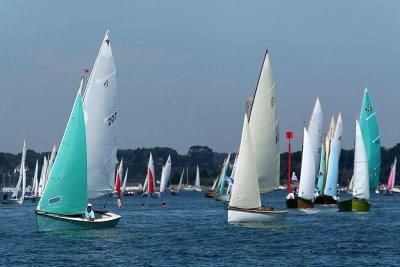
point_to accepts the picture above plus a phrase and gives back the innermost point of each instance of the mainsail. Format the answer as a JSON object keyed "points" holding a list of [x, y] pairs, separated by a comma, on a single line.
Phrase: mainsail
{"points": [[370, 133], [101, 108], [264, 129]]}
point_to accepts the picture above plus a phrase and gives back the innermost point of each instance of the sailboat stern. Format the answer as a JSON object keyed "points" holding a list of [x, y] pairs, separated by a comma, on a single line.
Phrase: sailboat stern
{"points": [[55, 222], [299, 203], [237, 215]]}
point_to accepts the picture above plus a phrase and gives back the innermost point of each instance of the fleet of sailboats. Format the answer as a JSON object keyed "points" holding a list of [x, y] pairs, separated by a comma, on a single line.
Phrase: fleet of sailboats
{"points": [[84, 167]]}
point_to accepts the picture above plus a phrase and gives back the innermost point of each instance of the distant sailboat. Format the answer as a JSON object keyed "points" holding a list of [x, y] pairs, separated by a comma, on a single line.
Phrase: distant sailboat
{"points": [[21, 184], [227, 195], [305, 197], [360, 200], [165, 175], [123, 189], [179, 185], [258, 163], [371, 136], [197, 181], [213, 192], [392, 178], [64, 199], [118, 177]]}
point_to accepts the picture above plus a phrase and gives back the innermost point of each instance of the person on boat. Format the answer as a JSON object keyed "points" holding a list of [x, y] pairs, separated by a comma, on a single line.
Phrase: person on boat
{"points": [[119, 203], [164, 204], [89, 214], [5, 196]]}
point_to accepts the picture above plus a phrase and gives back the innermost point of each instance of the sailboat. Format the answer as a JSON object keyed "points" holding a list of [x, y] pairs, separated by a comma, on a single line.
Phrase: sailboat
{"points": [[227, 196], [22, 180], [305, 197], [258, 163], [165, 175], [150, 184], [43, 175], [173, 192], [371, 136], [117, 188], [197, 181], [123, 189], [64, 199], [329, 195], [360, 200], [214, 191], [392, 178]]}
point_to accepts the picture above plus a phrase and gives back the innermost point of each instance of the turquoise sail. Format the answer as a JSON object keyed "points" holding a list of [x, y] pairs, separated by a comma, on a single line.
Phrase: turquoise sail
{"points": [[66, 189], [221, 189], [333, 171], [371, 137], [321, 172]]}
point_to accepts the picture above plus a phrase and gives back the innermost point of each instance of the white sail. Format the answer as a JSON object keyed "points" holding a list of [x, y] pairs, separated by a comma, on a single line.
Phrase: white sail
{"points": [[35, 183], [51, 160], [307, 178], [315, 133], [232, 178], [215, 184], [197, 181], [23, 181], [42, 182], [361, 174], [394, 172], [101, 107], [165, 175], [21, 174], [338, 133], [245, 193], [180, 181], [124, 183], [145, 185], [264, 130]]}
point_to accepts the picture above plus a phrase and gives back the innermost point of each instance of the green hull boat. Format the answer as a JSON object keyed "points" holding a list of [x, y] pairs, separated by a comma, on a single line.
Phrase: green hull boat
{"points": [[54, 222], [354, 205]]}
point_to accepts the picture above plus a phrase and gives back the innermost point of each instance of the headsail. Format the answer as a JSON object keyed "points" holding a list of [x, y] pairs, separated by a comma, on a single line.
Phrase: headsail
{"points": [[306, 187], [361, 175], [245, 193], [315, 132], [66, 189]]}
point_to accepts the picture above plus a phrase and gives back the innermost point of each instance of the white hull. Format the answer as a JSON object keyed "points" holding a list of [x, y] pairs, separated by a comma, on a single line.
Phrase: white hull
{"points": [[242, 216], [12, 201]]}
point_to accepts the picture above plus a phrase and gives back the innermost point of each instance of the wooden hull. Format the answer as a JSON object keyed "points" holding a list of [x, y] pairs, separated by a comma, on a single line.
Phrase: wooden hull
{"points": [[54, 222], [354, 205], [211, 194], [299, 203], [12, 201], [325, 200], [236, 215], [224, 198]]}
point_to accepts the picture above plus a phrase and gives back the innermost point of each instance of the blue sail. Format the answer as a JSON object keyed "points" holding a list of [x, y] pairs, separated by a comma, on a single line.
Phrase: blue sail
{"points": [[321, 172], [333, 171]]}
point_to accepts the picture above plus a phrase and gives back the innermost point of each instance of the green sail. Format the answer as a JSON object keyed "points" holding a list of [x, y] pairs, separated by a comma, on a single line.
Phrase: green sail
{"points": [[66, 189], [371, 136], [321, 172]]}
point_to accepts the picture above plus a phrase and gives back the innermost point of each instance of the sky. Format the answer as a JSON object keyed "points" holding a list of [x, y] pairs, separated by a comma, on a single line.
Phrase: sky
{"points": [[185, 68]]}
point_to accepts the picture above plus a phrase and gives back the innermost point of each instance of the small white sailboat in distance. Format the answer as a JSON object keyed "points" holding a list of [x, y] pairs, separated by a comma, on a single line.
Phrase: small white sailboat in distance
{"points": [[173, 192], [197, 181], [22, 180]]}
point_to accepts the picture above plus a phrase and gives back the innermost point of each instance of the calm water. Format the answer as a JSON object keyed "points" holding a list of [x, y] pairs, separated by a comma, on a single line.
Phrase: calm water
{"points": [[193, 231]]}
